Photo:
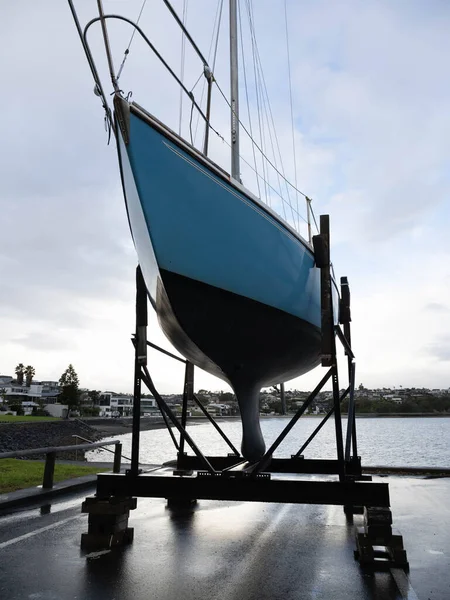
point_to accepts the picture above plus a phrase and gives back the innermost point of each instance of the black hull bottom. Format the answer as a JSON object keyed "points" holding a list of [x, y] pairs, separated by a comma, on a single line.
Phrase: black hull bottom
{"points": [[246, 343]]}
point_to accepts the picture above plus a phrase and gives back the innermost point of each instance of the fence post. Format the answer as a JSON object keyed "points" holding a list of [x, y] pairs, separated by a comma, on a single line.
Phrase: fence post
{"points": [[117, 457], [49, 470]]}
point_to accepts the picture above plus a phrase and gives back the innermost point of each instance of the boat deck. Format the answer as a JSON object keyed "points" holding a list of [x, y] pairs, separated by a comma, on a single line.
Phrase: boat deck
{"points": [[226, 550]]}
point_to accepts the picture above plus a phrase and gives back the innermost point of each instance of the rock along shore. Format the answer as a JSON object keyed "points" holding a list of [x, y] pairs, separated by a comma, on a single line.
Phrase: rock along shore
{"points": [[24, 436]]}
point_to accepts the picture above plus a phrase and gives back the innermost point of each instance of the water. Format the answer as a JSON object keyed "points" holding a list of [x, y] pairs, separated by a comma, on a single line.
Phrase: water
{"points": [[381, 441]]}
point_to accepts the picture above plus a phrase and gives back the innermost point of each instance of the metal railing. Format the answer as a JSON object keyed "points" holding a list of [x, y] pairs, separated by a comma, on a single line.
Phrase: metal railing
{"points": [[50, 457], [79, 437]]}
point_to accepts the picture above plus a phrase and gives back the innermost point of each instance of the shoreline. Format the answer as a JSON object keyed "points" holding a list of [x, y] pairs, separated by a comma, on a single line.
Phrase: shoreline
{"points": [[108, 427]]}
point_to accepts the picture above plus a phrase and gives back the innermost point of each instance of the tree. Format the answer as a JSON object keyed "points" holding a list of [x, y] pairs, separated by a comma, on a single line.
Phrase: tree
{"points": [[227, 397], [69, 388], [30, 372], [275, 405], [3, 394], [94, 395], [19, 371], [17, 408], [69, 377]]}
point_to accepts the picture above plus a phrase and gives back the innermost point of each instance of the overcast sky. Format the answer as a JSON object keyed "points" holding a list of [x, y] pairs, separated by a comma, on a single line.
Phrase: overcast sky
{"points": [[371, 98]]}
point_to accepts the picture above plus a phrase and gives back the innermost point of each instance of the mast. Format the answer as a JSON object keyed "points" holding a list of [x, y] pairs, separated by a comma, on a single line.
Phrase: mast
{"points": [[234, 83]]}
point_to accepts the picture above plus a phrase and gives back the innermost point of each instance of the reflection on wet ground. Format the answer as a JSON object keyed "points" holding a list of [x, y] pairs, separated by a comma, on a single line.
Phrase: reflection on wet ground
{"points": [[226, 550]]}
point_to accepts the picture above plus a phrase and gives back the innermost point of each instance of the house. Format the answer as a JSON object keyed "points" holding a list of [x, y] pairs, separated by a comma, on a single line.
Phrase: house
{"points": [[28, 407], [148, 407], [5, 380], [41, 392], [218, 409], [114, 405], [50, 391]]}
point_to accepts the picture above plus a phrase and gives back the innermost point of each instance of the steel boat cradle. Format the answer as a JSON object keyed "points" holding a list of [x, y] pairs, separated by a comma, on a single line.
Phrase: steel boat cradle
{"points": [[240, 294]]}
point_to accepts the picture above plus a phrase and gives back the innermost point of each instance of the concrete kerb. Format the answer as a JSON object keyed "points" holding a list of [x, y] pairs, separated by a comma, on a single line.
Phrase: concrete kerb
{"points": [[409, 471]]}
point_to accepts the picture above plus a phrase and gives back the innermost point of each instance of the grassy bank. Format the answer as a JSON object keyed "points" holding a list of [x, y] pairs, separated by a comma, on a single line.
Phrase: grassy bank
{"points": [[19, 474], [27, 419]]}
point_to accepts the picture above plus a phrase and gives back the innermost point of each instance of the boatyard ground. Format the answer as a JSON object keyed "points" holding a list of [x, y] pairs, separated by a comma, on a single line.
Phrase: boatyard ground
{"points": [[225, 550]]}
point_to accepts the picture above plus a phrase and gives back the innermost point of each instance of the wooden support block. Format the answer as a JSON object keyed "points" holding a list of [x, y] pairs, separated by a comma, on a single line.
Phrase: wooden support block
{"points": [[107, 522], [377, 515], [179, 502], [110, 506], [365, 554], [378, 531], [380, 552], [398, 556], [91, 541], [394, 540]]}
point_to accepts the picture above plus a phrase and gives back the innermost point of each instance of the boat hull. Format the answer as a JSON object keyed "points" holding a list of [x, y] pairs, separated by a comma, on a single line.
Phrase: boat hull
{"points": [[235, 291], [249, 344], [245, 340]]}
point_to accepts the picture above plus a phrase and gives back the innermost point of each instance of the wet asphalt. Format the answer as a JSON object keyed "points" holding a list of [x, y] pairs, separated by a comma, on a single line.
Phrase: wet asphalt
{"points": [[228, 550]]}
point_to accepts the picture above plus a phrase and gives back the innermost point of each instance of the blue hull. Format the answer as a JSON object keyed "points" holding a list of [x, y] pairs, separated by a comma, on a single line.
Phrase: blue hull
{"points": [[204, 228], [235, 289]]}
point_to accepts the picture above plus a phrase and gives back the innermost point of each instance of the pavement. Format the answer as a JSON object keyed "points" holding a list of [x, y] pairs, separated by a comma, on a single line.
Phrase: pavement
{"points": [[224, 550]]}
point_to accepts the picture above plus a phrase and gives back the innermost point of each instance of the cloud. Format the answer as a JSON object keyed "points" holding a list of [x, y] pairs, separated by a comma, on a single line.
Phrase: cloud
{"points": [[440, 349], [370, 100], [47, 341], [437, 307]]}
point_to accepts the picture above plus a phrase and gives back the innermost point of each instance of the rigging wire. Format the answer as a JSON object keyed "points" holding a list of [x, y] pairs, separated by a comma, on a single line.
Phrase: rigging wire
{"points": [[266, 115], [259, 147], [261, 99], [290, 98], [258, 76], [188, 35], [127, 51], [266, 103], [195, 84], [98, 89], [260, 176], [183, 55], [217, 35], [262, 151], [267, 99], [247, 101], [258, 110], [217, 22]]}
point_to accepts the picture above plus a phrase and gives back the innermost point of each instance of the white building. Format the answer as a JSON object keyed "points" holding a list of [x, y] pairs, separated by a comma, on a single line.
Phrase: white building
{"points": [[39, 391], [218, 409], [113, 405]]}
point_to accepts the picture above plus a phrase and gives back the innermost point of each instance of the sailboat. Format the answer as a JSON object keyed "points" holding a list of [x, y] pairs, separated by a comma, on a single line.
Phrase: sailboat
{"points": [[235, 287]]}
